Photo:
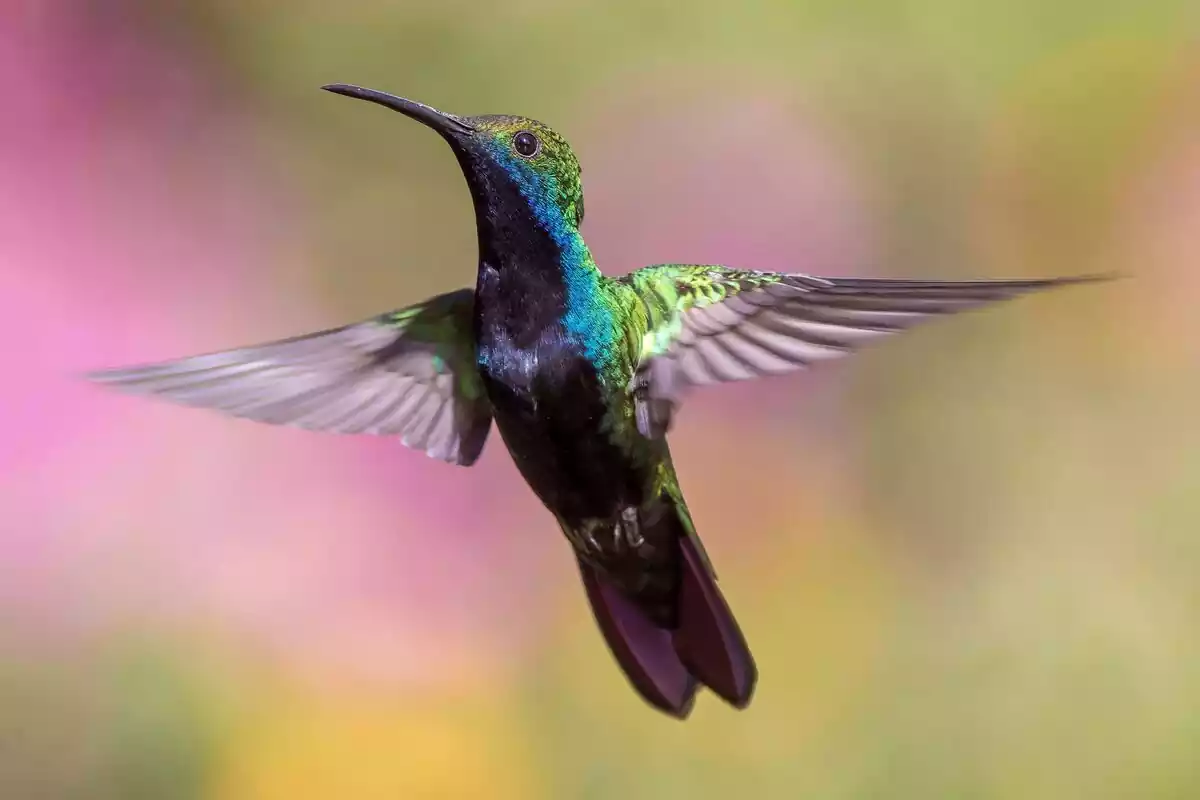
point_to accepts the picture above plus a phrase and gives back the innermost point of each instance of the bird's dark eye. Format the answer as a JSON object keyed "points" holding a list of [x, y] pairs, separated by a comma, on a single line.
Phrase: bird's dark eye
{"points": [[526, 144]]}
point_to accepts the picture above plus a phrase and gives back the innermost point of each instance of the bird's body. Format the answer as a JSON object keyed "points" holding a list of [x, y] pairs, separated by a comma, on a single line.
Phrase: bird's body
{"points": [[565, 410], [582, 373], [557, 350]]}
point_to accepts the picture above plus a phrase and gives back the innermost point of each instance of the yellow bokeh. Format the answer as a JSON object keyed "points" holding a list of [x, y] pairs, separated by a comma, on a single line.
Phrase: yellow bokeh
{"points": [[376, 746]]}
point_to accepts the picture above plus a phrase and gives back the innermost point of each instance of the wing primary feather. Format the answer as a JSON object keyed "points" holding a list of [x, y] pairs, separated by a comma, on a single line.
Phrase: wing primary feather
{"points": [[376, 376], [760, 358], [709, 324], [722, 361], [400, 411], [350, 401], [694, 368], [432, 411], [416, 421], [292, 409], [381, 407]]}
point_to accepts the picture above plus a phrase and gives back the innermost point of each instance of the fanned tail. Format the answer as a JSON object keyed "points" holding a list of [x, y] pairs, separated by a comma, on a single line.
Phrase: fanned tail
{"points": [[645, 651], [702, 644]]}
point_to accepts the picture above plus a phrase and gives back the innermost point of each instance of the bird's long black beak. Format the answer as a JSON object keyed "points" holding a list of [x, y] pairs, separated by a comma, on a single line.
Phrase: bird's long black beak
{"points": [[440, 121]]}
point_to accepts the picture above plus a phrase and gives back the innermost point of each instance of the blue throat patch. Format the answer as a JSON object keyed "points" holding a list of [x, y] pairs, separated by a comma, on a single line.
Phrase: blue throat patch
{"points": [[588, 319]]}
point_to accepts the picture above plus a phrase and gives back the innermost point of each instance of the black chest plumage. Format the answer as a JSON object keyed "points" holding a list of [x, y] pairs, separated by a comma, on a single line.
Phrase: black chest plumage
{"points": [[547, 397], [548, 401]]}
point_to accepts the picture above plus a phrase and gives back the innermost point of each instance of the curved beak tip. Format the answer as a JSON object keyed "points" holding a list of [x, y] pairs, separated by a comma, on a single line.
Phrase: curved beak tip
{"points": [[439, 120], [356, 92]]}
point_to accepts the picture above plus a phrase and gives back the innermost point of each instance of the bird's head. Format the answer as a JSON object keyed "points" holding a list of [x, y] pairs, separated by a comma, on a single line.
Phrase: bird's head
{"points": [[514, 165]]}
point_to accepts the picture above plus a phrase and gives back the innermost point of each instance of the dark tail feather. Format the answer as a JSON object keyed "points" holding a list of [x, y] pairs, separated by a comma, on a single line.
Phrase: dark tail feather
{"points": [[664, 664], [708, 639], [644, 651]]}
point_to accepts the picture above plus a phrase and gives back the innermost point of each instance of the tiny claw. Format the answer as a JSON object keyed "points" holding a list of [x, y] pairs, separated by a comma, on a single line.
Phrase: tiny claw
{"points": [[631, 527]]}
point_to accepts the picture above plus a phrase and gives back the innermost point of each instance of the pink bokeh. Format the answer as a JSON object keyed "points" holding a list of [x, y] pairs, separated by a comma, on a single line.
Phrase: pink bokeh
{"points": [[132, 229]]}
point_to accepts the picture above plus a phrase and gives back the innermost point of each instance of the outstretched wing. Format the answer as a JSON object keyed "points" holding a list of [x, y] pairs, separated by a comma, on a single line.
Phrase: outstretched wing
{"points": [[708, 324], [408, 373]]}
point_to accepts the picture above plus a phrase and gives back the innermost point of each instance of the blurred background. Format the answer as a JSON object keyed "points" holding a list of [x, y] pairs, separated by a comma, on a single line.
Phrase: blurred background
{"points": [[968, 559]]}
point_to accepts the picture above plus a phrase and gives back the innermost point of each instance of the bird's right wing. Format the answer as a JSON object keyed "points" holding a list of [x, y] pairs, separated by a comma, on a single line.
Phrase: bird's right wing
{"points": [[710, 324], [408, 373]]}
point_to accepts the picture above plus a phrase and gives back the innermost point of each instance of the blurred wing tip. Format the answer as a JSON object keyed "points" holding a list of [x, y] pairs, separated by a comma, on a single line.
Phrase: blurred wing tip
{"points": [[1099, 277], [119, 377], [1072, 280]]}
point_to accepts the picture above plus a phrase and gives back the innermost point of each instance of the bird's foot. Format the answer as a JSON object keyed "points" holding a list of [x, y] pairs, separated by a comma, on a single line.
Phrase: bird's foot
{"points": [[628, 530]]}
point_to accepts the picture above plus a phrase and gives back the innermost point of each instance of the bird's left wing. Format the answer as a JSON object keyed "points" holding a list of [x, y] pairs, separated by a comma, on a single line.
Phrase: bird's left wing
{"points": [[408, 373], [709, 324]]}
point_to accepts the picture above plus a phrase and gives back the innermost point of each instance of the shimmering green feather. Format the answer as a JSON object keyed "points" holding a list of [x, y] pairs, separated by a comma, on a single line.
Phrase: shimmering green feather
{"points": [[667, 291]]}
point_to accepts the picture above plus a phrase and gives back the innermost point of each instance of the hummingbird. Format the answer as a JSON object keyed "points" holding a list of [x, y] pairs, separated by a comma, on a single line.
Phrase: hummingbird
{"points": [[582, 374]]}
